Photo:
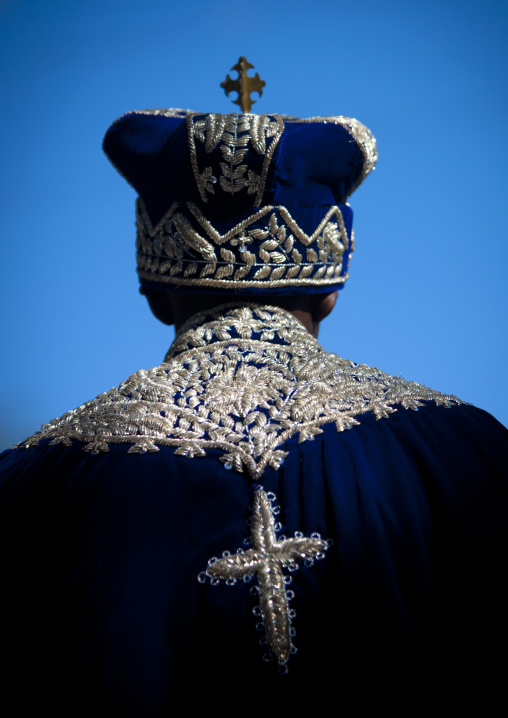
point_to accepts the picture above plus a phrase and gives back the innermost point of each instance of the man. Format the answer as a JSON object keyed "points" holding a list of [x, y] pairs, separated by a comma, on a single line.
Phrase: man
{"points": [[143, 540]]}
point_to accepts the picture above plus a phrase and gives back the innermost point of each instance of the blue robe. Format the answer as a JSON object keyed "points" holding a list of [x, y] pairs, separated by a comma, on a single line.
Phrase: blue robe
{"points": [[109, 517]]}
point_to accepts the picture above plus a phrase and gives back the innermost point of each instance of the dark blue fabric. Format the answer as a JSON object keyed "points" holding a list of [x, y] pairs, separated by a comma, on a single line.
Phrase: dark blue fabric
{"points": [[315, 165], [102, 613], [246, 291]]}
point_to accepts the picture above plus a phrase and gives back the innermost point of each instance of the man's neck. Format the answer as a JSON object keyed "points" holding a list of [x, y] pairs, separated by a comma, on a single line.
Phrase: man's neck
{"points": [[185, 306]]}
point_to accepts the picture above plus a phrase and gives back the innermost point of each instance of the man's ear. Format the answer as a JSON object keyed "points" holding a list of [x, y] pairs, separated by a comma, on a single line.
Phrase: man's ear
{"points": [[160, 304], [322, 305]]}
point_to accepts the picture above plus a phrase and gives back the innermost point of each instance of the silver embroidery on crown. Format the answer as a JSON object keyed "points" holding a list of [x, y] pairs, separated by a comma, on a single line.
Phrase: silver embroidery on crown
{"points": [[266, 559], [185, 248], [234, 134]]}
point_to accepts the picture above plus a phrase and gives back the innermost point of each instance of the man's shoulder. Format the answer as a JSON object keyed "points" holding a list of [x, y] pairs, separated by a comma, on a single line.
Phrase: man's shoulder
{"points": [[246, 398]]}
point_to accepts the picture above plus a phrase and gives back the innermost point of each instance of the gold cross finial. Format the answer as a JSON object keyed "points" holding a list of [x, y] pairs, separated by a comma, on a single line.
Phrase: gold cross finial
{"points": [[244, 84]]}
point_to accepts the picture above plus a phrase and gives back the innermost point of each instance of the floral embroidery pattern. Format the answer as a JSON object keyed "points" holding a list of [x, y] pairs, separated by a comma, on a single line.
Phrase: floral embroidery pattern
{"points": [[268, 249], [243, 379], [234, 135]]}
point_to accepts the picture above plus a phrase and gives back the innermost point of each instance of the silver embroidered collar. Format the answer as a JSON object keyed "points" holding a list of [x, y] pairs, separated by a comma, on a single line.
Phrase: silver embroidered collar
{"points": [[242, 378]]}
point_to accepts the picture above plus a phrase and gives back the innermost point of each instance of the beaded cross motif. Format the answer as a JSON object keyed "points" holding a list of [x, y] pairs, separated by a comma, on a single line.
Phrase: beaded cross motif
{"points": [[266, 560]]}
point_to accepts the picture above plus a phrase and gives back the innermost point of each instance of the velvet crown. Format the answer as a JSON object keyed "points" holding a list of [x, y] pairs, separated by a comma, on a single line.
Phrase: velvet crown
{"points": [[245, 203]]}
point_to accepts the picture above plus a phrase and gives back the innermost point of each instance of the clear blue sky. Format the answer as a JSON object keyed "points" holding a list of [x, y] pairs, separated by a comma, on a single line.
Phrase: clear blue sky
{"points": [[427, 294]]}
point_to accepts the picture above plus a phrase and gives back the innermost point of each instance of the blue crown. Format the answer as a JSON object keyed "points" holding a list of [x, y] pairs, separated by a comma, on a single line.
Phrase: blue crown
{"points": [[248, 203]]}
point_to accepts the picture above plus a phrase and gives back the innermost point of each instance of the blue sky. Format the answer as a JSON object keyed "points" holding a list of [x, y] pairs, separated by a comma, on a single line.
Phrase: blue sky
{"points": [[426, 298]]}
